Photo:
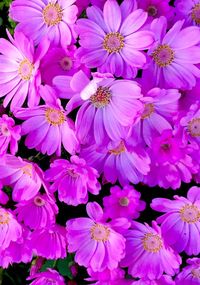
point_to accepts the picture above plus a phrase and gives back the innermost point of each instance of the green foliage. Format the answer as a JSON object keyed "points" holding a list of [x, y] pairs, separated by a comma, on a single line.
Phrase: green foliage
{"points": [[5, 4]]}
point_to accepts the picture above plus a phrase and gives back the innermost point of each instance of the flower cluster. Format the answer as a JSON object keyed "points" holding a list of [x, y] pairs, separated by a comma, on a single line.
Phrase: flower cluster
{"points": [[96, 94]]}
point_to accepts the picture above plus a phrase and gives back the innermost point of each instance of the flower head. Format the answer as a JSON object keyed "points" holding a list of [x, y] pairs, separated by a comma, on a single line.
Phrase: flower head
{"points": [[190, 275], [49, 277]]}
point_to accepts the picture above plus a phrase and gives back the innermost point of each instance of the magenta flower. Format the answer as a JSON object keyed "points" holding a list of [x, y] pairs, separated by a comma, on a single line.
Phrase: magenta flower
{"points": [[160, 107], [123, 203], [49, 242], [125, 161], [180, 224], [4, 198], [10, 229], [109, 277], [94, 241], [147, 254], [73, 180], [53, 19], [189, 10], [171, 161], [48, 128], [39, 212], [163, 280], [49, 277], [26, 178], [111, 43], [9, 134], [174, 55], [109, 106], [20, 75], [190, 274]]}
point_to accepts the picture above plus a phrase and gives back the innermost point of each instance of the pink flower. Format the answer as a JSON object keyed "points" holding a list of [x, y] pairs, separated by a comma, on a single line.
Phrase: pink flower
{"points": [[147, 254], [94, 241], [47, 277], [10, 229], [106, 277], [190, 274], [188, 10], [26, 178], [125, 161], [20, 75], [180, 224], [73, 180], [48, 128], [123, 203], [160, 107], [112, 43], [174, 55], [171, 161], [39, 212], [9, 134], [109, 106], [53, 19], [3, 196], [163, 280], [49, 242]]}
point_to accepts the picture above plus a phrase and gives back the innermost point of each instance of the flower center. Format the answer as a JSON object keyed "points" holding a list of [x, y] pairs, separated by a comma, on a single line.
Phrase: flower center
{"points": [[113, 42], [54, 117], [99, 232], [52, 14], [39, 201], [194, 127], [190, 214], [148, 111], [119, 149], [195, 14], [4, 217], [27, 169], [71, 172], [152, 11], [166, 146], [124, 201], [163, 55], [152, 242], [25, 69], [196, 273], [4, 130], [66, 63], [101, 98]]}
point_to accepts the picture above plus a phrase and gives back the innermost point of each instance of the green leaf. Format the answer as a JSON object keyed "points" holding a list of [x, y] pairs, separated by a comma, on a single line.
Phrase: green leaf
{"points": [[63, 266], [48, 264]]}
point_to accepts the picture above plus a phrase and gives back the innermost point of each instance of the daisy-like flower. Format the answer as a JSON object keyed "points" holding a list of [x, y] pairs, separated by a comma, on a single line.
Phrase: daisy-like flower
{"points": [[174, 55], [10, 229], [26, 178], [189, 10], [190, 275], [9, 134], [73, 180], [163, 280], [171, 161], [48, 128], [19, 65], [147, 254], [38, 212], [160, 107], [123, 203], [53, 19], [121, 160], [49, 277], [111, 43], [49, 242], [180, 224], [94, 241], [109, 107]]}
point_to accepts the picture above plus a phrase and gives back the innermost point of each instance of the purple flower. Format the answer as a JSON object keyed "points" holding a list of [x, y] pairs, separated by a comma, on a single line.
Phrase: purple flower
{"points": [[53, 19], [147, 254], [163, 280], [73, 180], [49, 277], [48, 128], [94, 241], [180, 224], [9, 134], [190, 274], [174, 55], [26, 178], [106, 277], [111, 43], [3, 196], [189, 10], [123, 203], [39, 212], [19, 64]]}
